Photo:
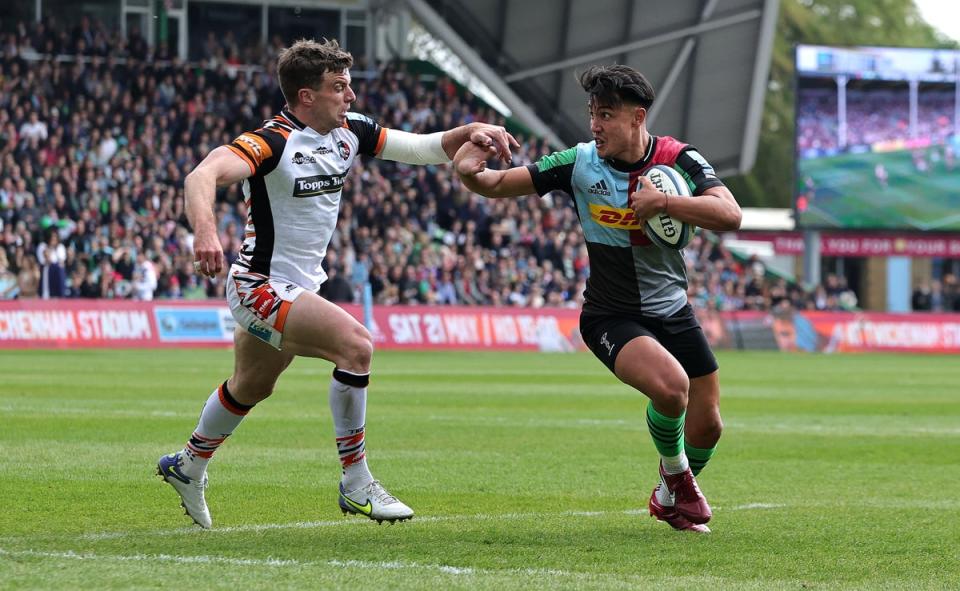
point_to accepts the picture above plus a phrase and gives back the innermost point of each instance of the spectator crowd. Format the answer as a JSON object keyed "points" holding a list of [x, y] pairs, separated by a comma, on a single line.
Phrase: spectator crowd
{"points": [[98, 131], [872, 116]]}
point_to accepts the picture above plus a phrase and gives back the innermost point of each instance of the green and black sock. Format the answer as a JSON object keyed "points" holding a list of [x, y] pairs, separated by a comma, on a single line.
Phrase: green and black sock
{"points": [[698, 456], [667, 433]]}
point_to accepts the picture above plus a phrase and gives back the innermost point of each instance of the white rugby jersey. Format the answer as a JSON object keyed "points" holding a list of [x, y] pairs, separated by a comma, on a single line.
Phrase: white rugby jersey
{"points": [[293, 193]]}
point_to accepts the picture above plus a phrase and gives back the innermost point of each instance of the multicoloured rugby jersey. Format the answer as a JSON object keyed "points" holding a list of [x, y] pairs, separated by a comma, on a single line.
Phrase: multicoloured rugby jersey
{"points": [[628, 273], [293, 193]]}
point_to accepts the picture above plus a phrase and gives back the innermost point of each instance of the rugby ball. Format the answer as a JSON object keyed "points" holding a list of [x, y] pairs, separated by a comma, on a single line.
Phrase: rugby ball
{"points": [[662, 229]]}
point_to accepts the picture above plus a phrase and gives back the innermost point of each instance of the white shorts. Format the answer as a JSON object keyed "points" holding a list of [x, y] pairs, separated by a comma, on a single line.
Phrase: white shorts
{"points": [[260, 304]]}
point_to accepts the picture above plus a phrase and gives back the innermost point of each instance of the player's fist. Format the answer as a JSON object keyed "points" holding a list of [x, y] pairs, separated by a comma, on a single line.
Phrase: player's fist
{"points": [[646, 201], [207, 254]]}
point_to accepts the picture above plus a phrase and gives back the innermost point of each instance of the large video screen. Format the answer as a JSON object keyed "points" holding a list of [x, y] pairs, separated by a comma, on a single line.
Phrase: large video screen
{"points": [[877, 138]]}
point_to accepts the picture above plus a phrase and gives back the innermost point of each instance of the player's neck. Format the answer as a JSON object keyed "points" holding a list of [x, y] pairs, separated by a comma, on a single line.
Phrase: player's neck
{"points": [[641, 146], [637, 150]]}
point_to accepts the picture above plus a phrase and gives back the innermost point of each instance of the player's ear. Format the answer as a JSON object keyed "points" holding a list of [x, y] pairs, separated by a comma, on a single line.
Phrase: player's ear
{"points": [[639, 115], [305, 96]]}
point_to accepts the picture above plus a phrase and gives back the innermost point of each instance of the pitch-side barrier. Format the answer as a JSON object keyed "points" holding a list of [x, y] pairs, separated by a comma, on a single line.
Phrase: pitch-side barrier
{"points": [[69, 324]]}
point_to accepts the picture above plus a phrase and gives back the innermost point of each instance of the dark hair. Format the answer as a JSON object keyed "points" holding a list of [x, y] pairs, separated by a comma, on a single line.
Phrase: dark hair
{"points": [[611, 86], [303, 64]]}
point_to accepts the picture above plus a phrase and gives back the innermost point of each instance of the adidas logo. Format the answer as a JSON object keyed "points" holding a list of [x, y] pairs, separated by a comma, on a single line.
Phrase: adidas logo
{"points": [[599, 189]]}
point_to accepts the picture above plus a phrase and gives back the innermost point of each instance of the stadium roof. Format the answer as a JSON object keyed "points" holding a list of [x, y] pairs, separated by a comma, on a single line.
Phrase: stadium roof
{"points": [[707, 59]]}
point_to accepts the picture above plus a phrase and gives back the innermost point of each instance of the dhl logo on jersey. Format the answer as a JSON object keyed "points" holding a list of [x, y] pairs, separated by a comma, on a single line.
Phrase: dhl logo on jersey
{"points": [[614, 217]]}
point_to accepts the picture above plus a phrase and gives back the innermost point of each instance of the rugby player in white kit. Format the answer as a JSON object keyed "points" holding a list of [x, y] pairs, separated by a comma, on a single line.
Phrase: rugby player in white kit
{"points": [[293, 170]]}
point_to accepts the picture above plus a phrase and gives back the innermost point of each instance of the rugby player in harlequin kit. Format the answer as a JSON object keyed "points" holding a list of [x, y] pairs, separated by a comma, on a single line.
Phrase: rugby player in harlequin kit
{"points": [[635, 315]]}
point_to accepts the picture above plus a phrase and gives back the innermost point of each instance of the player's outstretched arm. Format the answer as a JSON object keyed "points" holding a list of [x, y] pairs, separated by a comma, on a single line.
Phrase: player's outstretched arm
{"points": [[439, 148], [470, 162], [495, 139], [220, 167]]}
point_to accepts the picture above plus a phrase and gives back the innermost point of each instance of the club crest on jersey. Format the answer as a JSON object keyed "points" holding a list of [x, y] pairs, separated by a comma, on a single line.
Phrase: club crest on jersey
{"points": [[344, 149], [299, 158], [614, 217]]}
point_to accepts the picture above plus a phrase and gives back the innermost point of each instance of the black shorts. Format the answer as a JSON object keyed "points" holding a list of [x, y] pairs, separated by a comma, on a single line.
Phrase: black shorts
{"points": [[680, 334]]}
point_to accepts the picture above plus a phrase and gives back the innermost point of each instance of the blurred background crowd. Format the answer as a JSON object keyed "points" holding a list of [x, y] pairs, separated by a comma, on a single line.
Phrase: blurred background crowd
{"points": [[97, 133], [873, 116]]}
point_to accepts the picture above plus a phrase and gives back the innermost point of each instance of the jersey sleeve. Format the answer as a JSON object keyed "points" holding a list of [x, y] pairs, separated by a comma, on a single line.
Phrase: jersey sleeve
{"points": [[554, 172], [369, 133], [696, 168], [260, 149]]}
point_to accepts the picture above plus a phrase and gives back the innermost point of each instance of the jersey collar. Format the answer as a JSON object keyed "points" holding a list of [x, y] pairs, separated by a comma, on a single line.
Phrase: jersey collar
{"points": [[286, 114]]}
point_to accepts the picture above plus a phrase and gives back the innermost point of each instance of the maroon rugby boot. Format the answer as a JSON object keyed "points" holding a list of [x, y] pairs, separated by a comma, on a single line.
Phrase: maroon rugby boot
{"points": [[670, 516], [690, 502]]}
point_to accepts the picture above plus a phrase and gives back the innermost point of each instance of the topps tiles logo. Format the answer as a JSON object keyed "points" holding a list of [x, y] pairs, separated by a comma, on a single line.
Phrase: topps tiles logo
{"points": [[321, 184]]}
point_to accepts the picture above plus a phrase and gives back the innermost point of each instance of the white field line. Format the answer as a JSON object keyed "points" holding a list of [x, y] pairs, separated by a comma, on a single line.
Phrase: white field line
{"points": [[355, 564], [254, 528], [840, 430], [257, 562], [615, 580], [71, 555]]}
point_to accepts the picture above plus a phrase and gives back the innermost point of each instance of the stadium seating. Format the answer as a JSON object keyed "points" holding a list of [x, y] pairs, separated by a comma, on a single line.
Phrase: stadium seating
{"points": [[94, 152]]}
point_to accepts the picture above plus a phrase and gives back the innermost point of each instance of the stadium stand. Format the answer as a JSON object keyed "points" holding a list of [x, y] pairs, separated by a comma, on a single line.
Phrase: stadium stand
{"points": [[873, 116], [94, 149]]}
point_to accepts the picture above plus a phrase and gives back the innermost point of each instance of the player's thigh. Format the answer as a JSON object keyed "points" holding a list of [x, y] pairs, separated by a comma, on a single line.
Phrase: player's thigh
{"points": [[260, 304], [630, 350], [316, 327], [257, 365], [644, 364], [681, 335], [289, 318]]}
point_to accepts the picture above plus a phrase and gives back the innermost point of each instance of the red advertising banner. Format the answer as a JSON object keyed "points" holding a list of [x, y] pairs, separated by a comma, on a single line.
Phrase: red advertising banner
{"points": [[848, 332], [456, 327], [113, 323], [864, 245], [121, 324]]}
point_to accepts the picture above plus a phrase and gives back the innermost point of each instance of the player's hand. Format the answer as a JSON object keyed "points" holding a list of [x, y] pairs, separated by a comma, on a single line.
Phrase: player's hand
{"points": [[207, 253], [470, 159], [496, 140], [646, 201]]}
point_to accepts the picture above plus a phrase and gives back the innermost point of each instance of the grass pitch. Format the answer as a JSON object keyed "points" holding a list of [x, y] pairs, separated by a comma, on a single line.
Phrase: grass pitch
{"points": [[526, 471]]}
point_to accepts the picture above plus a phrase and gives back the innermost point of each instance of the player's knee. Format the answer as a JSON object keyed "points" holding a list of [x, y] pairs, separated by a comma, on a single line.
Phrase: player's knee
{"points": [[671, 392], [716, 428], [357, 351], [709, 429]]}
